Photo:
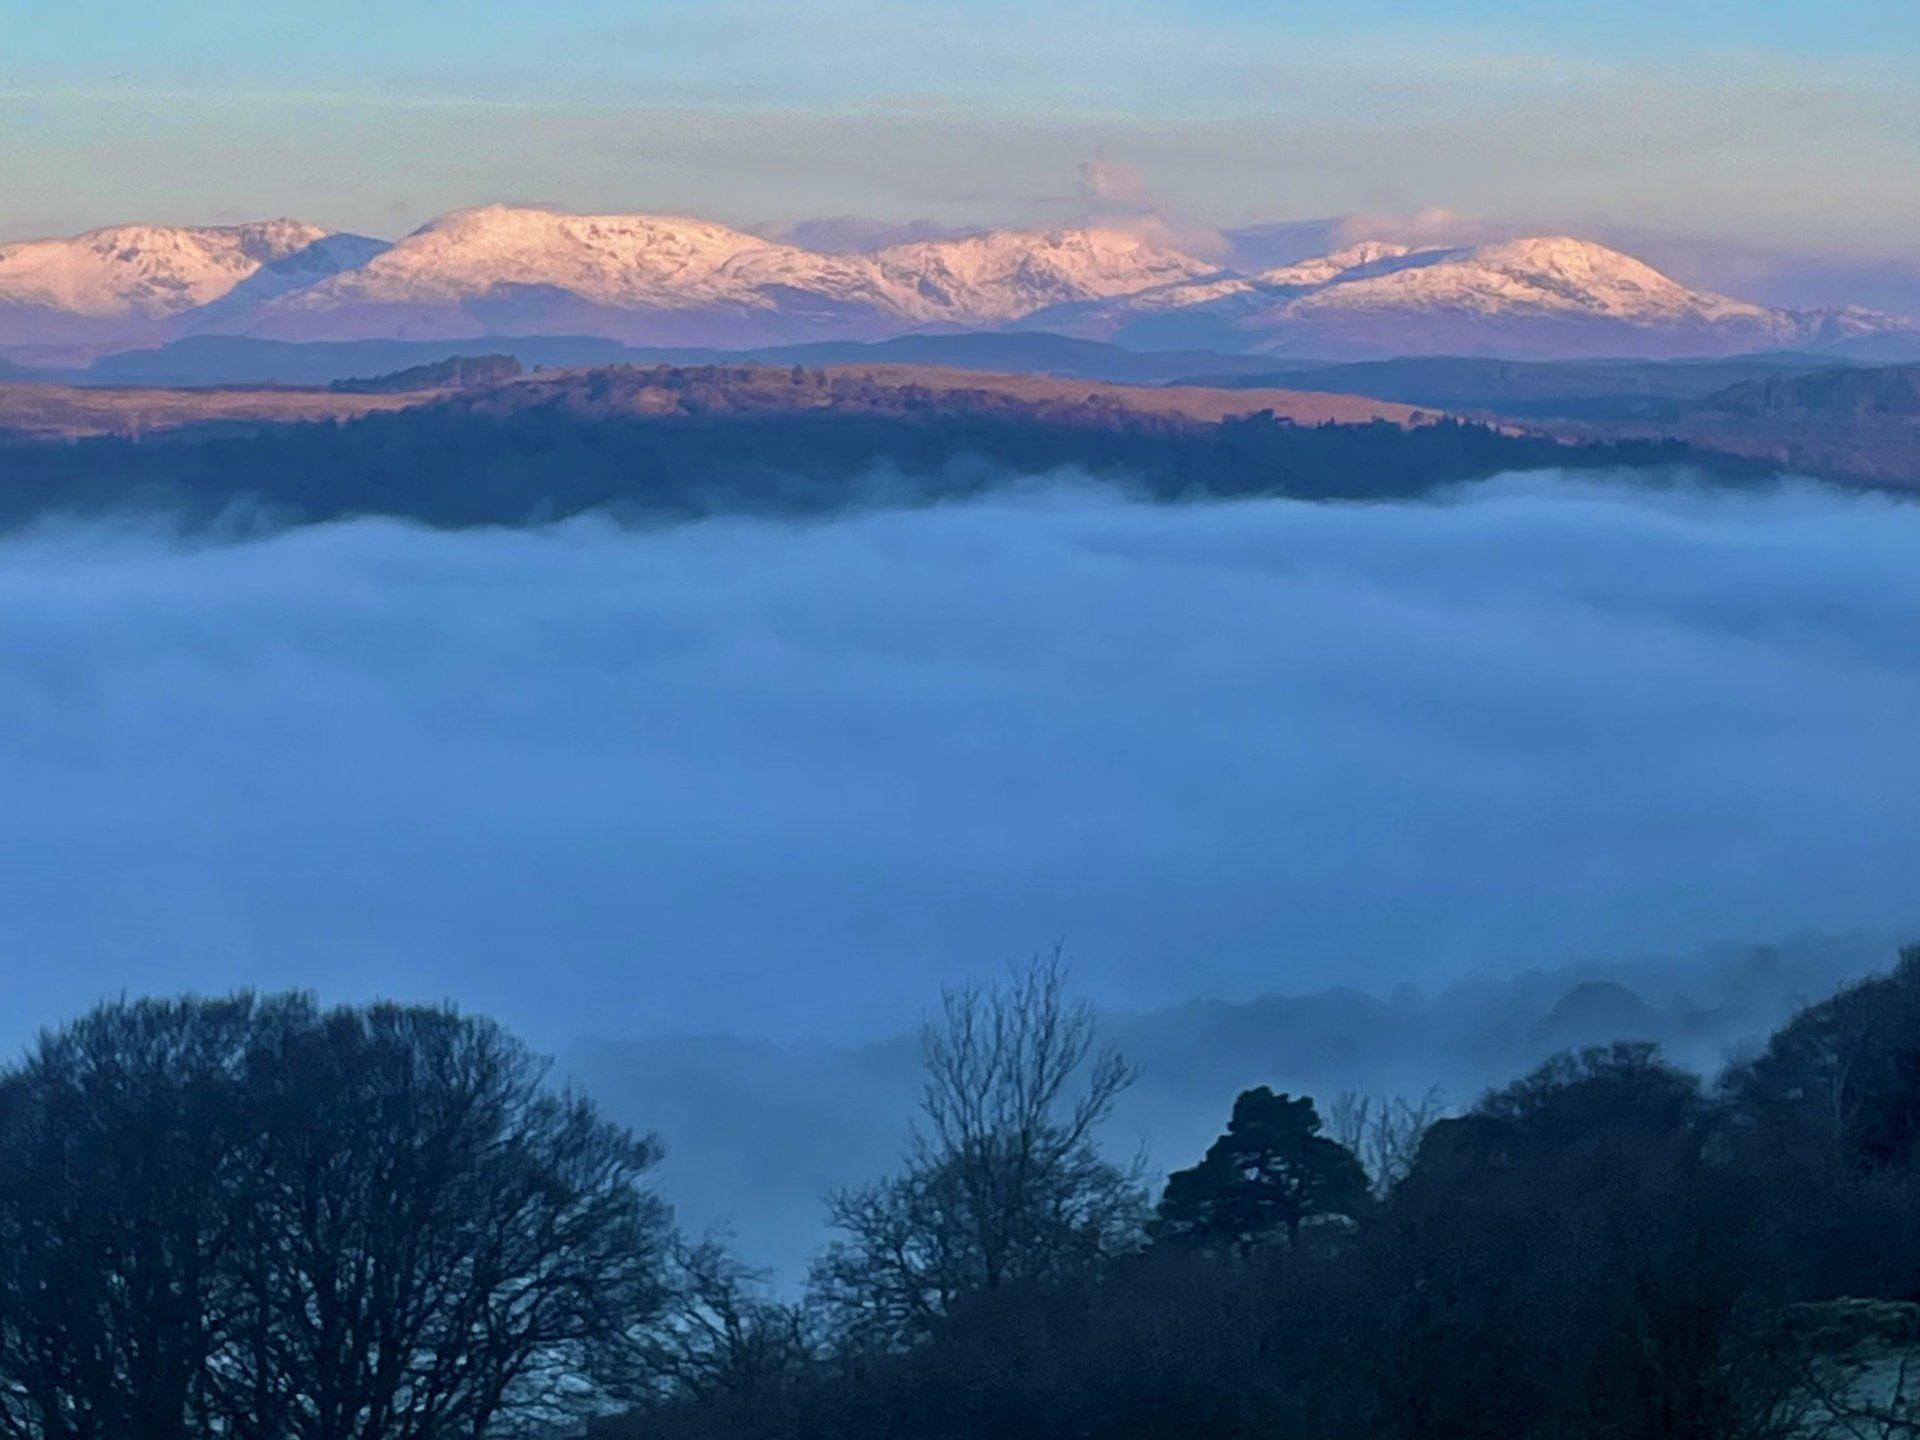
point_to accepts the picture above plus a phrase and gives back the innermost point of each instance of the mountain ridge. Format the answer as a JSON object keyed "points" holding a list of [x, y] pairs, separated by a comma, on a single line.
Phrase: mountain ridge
{"points": [[679, 280], [1536, 297]]}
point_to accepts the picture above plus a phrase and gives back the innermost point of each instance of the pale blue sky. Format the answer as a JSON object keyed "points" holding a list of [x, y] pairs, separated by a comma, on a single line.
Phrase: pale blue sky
{"points": [[1792, 125]]}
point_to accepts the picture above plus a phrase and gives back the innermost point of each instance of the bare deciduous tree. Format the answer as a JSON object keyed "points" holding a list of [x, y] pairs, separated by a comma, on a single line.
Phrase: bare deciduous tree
{"points": [[261, 1220], [723, 1335], [1853, 1366], [1385, 1133], [124, 1159], [1004, 1182]]}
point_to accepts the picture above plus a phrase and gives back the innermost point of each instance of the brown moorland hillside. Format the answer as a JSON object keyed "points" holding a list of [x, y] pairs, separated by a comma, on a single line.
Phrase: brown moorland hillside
{"points": [[906, 389], [74, 411], [1859, 425], [57, 411]]}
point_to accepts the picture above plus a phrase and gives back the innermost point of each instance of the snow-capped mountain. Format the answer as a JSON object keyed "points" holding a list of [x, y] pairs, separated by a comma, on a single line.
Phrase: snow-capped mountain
{"points": [[1552, 281], [1370, 256], [672, 280], [1540, 297], [1248, 290], [1008, 274], [514, 270], [620, 260], [125, 278]]}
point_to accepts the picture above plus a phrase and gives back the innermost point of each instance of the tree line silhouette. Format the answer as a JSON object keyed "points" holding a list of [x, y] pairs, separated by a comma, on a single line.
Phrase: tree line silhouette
{"points": [[258, 1217]]}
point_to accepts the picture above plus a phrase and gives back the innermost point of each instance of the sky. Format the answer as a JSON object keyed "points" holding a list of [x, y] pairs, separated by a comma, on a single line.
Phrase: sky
{"points": [[786, 780], [1779, 126]]}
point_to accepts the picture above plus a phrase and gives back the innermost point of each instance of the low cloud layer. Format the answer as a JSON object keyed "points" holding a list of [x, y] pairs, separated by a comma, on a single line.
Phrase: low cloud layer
{"points": [[784, 780]]}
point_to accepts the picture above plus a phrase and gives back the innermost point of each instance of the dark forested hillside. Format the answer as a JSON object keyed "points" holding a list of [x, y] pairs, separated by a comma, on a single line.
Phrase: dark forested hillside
{"points": [[554, 450], [1607, 1248], [456, 372], [255, 1216], [1893, 391], [1860, 424]]}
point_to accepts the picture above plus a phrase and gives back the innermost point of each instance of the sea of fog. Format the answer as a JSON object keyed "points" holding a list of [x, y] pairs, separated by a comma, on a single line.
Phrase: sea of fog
{"points": [[783, 780]]}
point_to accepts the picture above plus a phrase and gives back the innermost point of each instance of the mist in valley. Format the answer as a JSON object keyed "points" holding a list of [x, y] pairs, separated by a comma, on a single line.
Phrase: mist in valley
{"points": [[1337, 797]]}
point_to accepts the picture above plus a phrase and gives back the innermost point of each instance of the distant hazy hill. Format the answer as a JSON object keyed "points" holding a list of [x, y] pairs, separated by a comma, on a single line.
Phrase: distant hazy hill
{"points": [[1857, 423], [1892, 393], [1804, 412], [1899, 346], [818, 1116]]}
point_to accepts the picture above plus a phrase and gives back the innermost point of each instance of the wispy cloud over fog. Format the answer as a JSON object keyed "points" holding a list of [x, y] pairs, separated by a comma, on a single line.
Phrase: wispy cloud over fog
{"points": [[784, 780]]}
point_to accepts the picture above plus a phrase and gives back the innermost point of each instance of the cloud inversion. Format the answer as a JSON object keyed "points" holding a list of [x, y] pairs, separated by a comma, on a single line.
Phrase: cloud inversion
{"points": [[785, 780]]}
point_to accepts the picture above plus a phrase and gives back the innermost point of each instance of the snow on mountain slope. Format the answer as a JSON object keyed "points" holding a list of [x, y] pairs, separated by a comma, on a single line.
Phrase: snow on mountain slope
{"points": [[620, 260], [1007, 274], [147, 271], [648, 261], [1368, 255], [518, 270], [648, 277], [1541, 273], [1540, 296], [1229, 292], [669, 280], [1551, 274]]}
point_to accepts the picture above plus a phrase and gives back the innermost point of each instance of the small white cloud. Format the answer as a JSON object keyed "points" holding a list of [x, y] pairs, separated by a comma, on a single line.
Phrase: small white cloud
{"points": [[1435, 225], [1112, 181]]}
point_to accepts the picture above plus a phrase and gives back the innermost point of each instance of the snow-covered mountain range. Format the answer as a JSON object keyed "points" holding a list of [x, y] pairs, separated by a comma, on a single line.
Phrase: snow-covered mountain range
{"points": [[1548, 296], [670, 280], [132, 281]]}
